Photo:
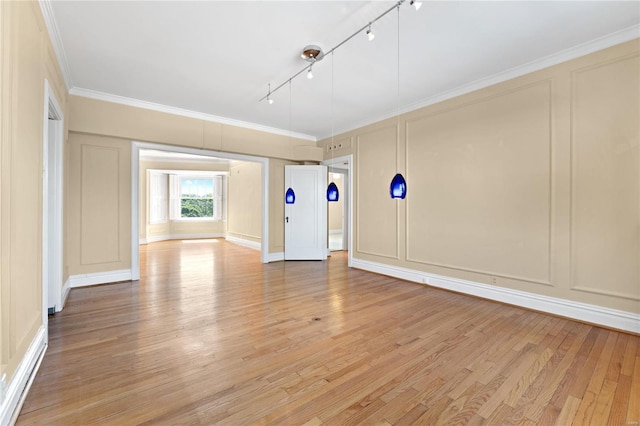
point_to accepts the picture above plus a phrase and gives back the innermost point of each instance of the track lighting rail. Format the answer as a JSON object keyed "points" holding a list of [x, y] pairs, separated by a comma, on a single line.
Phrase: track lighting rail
{"points": [[366, 26]]}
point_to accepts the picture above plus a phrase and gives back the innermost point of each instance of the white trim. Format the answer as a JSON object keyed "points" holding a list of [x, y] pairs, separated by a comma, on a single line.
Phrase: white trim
{"points": [[56, 41], [22, 379], [135, 211], [243, 242], [154, 158], [574, 52], [264, 246], [122, 100], [52, 249], [275, 257], [157, 238], [607, 317], [66, 289], [82, 280]]}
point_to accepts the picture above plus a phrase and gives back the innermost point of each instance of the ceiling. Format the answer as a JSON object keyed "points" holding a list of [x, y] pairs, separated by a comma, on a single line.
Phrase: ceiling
{"points": [[216, 58]]}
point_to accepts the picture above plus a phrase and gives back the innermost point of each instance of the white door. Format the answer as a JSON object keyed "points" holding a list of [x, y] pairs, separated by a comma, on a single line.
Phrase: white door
{"points": [[305, 228]]}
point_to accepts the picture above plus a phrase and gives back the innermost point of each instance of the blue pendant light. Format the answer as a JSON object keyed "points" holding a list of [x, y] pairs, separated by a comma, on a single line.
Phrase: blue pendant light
{"points": [[398, 188], [332, 192], [290, 196]]}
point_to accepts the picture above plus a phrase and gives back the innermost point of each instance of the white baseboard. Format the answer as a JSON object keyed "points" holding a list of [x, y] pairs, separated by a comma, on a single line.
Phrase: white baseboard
{"points": [[157, 238], [607, 317], [275, 257], [246, 243], [14, 394], [82, 280], [66, 288]]}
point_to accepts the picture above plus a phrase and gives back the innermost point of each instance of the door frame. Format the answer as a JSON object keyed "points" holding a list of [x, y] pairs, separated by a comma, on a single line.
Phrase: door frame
{"points": [[136, 146], [349, 201], [52, 149]]}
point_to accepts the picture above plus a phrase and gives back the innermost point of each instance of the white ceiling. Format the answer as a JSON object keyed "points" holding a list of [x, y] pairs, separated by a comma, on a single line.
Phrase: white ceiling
{"points": [[217, 57]]}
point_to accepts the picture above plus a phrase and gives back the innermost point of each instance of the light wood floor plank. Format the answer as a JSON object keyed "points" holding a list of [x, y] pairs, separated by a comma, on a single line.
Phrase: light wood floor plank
{"points": [[209, 335]]}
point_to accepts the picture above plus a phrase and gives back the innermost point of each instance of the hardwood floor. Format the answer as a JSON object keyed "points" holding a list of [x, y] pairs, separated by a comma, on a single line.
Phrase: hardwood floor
{"points": [[209, 335]]}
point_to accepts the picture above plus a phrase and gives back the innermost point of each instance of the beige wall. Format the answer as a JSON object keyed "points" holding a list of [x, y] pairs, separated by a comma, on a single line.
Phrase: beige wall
{"points": [[27, 60], [98, 204], [147, 230], [244, 208], [127, 122], [532, 184], [336, 207], [115, 122]]}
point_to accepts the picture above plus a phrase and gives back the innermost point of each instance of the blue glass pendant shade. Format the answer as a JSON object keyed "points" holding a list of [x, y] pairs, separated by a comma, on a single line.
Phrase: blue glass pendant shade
{"points": [[290, 196], [332, 192], [398, 188]]}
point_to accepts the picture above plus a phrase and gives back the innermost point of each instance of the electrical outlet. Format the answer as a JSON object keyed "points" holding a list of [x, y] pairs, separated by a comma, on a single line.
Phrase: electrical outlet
{"points": [[494, 280]]}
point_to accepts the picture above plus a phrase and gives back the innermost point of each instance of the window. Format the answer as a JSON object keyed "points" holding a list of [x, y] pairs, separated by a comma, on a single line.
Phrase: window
{"points": [[196, 197]]}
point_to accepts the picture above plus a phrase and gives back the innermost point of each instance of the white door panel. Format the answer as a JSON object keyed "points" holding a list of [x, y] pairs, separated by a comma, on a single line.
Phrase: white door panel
{"points": [[306, 219]]}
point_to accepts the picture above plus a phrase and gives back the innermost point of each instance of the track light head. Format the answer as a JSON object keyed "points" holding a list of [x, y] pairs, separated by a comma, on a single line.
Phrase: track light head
{"points": [[416, 4], [269, 95], [370, 34]]}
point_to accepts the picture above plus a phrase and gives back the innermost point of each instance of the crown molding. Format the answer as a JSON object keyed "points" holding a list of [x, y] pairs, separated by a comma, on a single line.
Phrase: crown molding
{"points": [[56, 41], [107, 97], [618, 37]]}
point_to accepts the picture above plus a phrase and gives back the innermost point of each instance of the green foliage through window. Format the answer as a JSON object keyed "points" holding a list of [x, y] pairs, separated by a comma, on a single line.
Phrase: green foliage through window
{"points": [[196, 198], [196, 207]]}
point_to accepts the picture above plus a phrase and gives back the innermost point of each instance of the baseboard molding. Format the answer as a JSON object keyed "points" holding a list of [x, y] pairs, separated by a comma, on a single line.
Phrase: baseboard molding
{"points": [[82, 280], [242, 242], [66, 288], [157, 238], [275, 257], [606, 317], [17, 389]]}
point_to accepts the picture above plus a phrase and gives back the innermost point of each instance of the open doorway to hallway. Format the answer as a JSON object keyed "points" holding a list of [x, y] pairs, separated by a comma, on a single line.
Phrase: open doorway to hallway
{"points": [[339, 229], [337, 212]]}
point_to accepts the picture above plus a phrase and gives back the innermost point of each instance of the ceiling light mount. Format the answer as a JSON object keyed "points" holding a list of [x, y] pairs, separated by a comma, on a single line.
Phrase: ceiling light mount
{"points": [[312, 53]]}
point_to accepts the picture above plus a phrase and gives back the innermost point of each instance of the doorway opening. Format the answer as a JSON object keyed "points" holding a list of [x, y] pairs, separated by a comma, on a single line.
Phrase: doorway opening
{"points": [[137, 218], [339, 229], [337, 212]]}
